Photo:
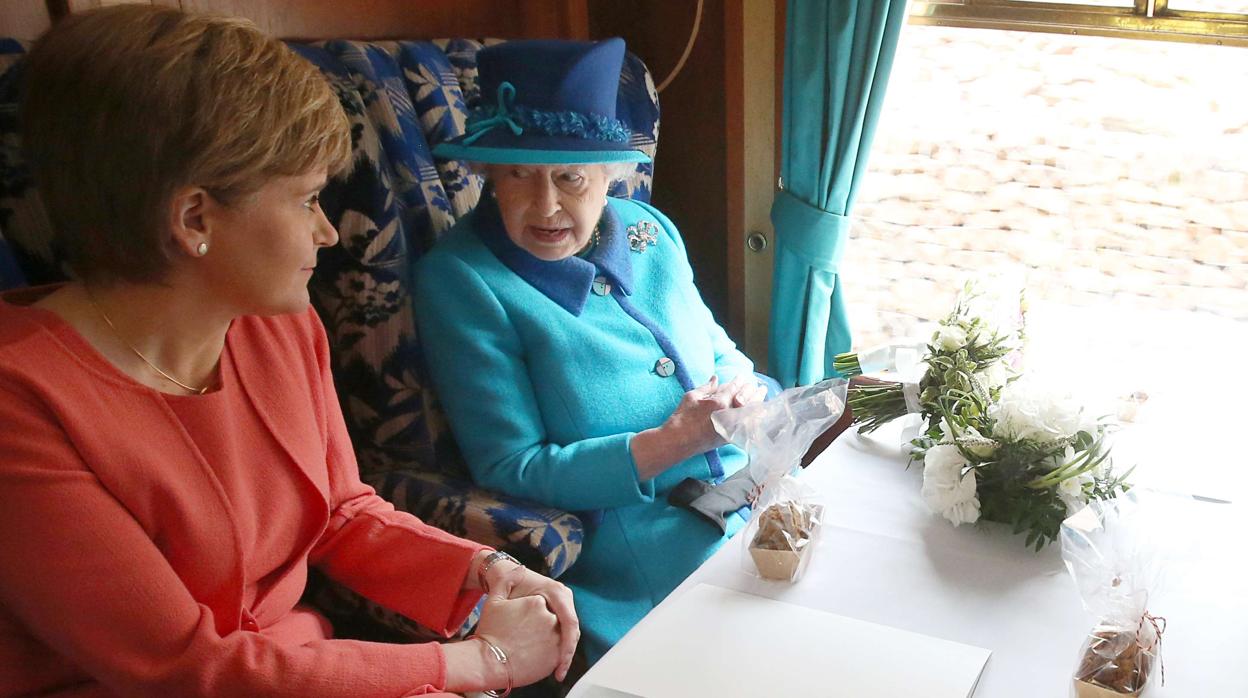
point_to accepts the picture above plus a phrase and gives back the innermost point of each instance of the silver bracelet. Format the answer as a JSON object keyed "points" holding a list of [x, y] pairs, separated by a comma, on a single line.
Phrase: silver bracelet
{"points": [[501, 656], [489, 561]]}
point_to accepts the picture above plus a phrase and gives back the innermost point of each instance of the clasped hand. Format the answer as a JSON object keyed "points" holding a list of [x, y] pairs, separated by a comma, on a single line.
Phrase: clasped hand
{"points": [[532, 617]]}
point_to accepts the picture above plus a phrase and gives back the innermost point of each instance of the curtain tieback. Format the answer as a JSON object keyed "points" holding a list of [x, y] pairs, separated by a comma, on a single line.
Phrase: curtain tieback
{"points": [[818, 236]]}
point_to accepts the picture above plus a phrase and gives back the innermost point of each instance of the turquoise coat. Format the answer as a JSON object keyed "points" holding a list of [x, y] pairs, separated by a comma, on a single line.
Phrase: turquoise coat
{"points": [[546, 371]]}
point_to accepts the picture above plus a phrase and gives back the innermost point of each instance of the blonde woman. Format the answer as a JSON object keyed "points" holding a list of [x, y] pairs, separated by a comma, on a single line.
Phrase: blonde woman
{"points": [[172, 454]]}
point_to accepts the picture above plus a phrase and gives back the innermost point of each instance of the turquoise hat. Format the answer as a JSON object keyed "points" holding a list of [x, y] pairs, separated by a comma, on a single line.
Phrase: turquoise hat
{"points": [[546, 103]]}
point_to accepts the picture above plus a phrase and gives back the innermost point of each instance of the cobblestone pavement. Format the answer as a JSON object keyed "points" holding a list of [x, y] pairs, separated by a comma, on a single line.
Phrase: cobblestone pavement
{"points": [[1111, 174]]}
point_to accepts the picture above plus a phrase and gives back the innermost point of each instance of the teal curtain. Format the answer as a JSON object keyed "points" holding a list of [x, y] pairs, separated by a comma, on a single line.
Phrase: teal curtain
{"points": [[837, 57]]}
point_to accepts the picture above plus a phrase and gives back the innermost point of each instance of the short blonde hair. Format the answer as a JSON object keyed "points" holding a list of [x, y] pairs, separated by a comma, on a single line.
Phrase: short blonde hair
{"points": [[125, 105]]}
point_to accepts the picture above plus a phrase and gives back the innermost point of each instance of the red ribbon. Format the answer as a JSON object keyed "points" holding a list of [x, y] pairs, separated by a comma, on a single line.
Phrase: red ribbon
{"points": [[1159, 627]]}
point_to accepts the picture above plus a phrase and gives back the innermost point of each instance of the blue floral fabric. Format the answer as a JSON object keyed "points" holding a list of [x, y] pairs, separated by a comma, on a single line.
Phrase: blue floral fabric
{"points": [[17, 268], [401, 98], [14, 178]]}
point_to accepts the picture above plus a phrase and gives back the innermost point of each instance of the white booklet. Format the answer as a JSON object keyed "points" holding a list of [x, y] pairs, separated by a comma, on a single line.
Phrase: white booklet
{"points": [[716, 642]]}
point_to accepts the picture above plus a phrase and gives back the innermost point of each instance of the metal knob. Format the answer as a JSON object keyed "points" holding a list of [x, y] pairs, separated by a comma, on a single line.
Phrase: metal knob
{"points": [[756, 241]]}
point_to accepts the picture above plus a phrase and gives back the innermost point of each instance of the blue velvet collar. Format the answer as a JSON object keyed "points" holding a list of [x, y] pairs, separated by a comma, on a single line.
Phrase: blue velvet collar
{"points": [[567, 281]]}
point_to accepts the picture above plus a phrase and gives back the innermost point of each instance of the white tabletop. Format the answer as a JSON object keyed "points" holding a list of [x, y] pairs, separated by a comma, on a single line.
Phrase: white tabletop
{"points": [[883, 558]]}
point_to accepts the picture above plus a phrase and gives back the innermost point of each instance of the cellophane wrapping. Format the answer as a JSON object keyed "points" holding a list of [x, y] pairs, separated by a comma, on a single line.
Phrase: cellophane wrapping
{"points": [[787, 512], [1112, 556]]}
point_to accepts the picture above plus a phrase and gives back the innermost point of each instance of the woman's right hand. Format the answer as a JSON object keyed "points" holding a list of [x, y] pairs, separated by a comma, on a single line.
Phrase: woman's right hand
{"points": [[523, 628], [689, 427], [689, 431]]}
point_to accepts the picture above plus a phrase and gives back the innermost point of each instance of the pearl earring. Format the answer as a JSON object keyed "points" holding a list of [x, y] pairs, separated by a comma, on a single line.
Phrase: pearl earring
{"points": [[202, 249]]}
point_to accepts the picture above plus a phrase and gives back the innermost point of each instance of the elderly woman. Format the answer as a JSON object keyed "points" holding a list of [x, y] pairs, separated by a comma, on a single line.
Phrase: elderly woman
{"points": [[172, 454], [576, 362]]}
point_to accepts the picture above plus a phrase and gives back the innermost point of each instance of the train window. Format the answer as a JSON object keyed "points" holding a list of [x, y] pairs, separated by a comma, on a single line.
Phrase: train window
{"points": [[1217, 6], [1195, 21], [1110, 173]]}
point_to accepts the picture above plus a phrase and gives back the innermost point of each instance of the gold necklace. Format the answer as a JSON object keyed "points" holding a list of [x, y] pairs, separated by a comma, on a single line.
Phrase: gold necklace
{"points": [[117, 333]]}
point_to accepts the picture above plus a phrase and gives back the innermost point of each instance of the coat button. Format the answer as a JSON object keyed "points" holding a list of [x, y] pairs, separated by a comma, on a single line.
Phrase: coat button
{"points": [[601, 286], [665, 367]]}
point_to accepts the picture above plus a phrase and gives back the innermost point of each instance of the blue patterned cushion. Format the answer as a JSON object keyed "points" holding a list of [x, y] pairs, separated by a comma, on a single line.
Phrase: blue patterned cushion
{"points": [[401, 99], [14, 179], [11, 275], [21, 213], [544, 539]]}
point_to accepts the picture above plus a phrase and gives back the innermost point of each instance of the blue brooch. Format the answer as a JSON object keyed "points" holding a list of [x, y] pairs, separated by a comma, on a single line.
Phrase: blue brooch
{"points": [[642, 235]]}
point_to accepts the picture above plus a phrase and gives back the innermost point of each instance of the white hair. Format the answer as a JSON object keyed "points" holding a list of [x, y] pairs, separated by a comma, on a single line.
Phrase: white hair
{"points": [[616, 171], [619, 171]]}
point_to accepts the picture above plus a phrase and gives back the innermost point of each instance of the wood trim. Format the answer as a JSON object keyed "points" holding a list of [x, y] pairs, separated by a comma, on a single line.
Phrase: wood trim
{"points": [[360, 19], [403, 19], [782, 15], [734, 146], [759, 144], [69, 7]]}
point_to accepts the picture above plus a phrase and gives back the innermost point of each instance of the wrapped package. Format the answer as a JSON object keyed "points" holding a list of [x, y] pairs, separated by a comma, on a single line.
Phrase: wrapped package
{"points": [[785, 530], [1111, 555], [786, 514]]}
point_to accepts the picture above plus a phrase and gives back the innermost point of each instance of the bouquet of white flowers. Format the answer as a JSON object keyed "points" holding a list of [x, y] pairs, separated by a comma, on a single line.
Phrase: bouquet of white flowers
{"points": [[995, 446], [966, 355], [1027, 459]]}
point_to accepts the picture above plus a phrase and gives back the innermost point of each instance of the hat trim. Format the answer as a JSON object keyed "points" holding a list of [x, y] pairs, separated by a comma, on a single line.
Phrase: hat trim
{"points": [[526, 156], [594, 127]]}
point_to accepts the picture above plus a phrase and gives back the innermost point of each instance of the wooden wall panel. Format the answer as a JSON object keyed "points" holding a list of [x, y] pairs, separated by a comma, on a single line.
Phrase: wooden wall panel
{"points": [[406, 19], [735, 167], [354, 19], [24, 19], [759, 154], [691, 182]]}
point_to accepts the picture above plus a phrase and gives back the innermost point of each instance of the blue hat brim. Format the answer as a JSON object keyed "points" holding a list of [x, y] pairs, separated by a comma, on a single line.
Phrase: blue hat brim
{"points": [[530, 156], [502, 147]]}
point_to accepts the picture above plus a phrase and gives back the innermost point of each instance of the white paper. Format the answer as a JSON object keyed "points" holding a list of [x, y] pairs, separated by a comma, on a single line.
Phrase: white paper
{"points": [[713, 641]]}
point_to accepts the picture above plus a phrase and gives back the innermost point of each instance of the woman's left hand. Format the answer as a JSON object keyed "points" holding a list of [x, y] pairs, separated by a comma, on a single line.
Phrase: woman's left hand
{"points": [[510, 581]]}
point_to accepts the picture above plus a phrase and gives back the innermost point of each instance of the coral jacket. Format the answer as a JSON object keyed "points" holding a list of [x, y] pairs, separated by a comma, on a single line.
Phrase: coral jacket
{"points": [[124, 565]]}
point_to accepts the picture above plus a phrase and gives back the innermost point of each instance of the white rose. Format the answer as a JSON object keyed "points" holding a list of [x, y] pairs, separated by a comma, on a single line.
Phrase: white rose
{"points": [[1030, 410], [995, 375], [950, 337], [1071, 492], [946, 491], [966, 512]]}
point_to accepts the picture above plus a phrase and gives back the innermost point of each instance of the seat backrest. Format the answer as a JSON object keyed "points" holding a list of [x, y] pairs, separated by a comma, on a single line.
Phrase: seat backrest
{"points": [[401, 98]]}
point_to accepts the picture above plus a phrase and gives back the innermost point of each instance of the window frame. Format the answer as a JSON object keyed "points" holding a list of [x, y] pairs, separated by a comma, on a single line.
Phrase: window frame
{"points": [[1143, 19]]}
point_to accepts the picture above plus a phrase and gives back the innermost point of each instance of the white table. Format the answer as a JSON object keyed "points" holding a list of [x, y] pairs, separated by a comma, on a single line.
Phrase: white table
{"points": [[883, 558]]}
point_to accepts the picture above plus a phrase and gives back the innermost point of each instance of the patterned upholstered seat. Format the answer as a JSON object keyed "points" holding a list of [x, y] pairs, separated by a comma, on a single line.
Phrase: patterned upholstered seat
{"points": [[402, 98]]}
